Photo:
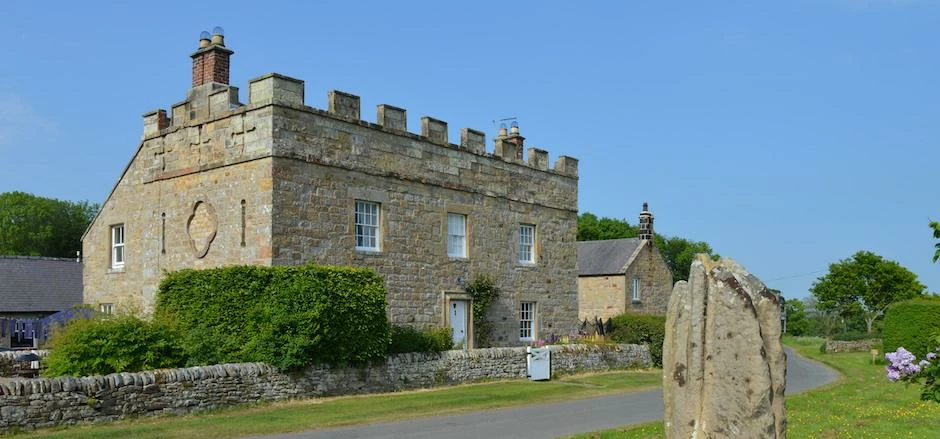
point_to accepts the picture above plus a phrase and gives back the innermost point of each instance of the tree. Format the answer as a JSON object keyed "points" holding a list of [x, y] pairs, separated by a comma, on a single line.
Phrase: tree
{"points": [[35, 226], [936, 234], [864, 285], [677, 252], [797, 324]]}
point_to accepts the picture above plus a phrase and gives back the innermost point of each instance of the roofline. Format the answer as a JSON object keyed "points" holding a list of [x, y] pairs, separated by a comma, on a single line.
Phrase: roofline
{"points": [[127, 167]]}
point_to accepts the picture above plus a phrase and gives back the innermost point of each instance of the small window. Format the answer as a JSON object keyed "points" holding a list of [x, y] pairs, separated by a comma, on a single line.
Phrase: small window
{"points": [[526, 321], [106, 308], [456, 235], [527, 243], [635, 292], [367, 226], [117, 246]]}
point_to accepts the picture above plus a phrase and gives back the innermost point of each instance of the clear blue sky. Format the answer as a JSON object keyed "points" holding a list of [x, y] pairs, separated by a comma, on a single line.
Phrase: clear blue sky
{"points": [[788, 135]]}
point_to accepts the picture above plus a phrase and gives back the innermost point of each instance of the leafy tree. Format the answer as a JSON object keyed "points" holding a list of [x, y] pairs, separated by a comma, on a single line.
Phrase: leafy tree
{"points": [[36, 226], [678, 252], [936, 234], [865, 285], [797, 323]]}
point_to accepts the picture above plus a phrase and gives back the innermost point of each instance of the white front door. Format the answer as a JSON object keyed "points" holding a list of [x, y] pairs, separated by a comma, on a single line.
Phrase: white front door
{"points": [[458, 322]]}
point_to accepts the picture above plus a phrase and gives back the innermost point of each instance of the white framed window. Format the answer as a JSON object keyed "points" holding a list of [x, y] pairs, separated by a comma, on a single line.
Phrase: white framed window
{"points": [[117, 246], [106, 308], [456, 235], [635, 289], [367, 226], [526, 321], [527, 243]]}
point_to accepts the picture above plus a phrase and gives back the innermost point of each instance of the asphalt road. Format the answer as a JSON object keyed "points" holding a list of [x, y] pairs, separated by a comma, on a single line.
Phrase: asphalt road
{"points": [[550, 420]]}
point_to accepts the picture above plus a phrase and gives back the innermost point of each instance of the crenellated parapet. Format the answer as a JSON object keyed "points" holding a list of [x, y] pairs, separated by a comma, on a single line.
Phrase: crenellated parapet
{"points": [[213, 101]]}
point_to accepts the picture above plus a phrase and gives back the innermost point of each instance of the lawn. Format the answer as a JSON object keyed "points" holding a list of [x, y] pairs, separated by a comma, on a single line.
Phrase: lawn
{"points": [[291, 416], [862, 404]]}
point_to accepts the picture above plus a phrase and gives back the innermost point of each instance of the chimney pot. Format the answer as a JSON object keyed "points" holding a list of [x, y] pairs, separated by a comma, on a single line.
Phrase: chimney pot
{"points": [[203, 39], [218, 36]]}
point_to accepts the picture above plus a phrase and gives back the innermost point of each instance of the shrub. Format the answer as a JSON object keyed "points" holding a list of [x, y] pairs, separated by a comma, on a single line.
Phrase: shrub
{"points": [[289, 317], [408, 339], [483, 292], [910, 324], [101, 346], [641, 329]]}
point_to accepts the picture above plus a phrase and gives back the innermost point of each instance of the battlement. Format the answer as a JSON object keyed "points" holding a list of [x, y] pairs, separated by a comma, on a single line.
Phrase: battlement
{"points": [[212, 101]]}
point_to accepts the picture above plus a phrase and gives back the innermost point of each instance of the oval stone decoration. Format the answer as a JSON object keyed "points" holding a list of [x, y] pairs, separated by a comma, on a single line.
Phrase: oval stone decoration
{"points": [[201, 228]]}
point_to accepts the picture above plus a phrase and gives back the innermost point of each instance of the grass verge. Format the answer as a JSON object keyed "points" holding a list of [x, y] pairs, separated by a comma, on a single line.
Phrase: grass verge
{"points": [[861, 404], [292, 416]]}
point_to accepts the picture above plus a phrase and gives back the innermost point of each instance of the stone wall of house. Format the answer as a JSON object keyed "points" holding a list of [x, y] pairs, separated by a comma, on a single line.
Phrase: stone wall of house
{"points": [[37, 403], [853, 346], [601, 296], [655, 282], [274, 182]]}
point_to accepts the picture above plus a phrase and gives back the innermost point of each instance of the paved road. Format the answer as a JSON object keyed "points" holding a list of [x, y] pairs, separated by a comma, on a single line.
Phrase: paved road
{"points": [[551, 420]]}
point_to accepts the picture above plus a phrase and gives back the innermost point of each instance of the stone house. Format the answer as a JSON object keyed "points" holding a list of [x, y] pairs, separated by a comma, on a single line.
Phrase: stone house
{"points": [[273, 181], [623, 275]]}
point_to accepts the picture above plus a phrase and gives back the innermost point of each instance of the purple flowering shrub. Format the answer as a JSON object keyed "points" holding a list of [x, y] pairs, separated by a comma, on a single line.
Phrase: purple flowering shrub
{"points": [[903, 366]]}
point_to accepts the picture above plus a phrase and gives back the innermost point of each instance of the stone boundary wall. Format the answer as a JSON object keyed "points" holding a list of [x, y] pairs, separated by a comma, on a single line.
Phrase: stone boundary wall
{"points": [[37, 403], [852, 346], [41, 353]]}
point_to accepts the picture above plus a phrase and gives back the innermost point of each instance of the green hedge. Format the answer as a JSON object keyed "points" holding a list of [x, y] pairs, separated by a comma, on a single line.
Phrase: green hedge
{"points": [[289, 317], [101, 346], [912, 324], [408, 339], [855, 336], [641, 329]]}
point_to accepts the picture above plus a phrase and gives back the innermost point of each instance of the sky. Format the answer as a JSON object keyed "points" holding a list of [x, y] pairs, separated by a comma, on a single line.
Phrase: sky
{"points": [[788, 135]]}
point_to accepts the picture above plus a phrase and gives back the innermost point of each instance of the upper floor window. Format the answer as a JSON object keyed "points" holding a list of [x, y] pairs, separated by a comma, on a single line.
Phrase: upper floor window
{"points": [[456, 235], [635, 290], [527, 243], [526, 321], [117, 246], [367, 225]]}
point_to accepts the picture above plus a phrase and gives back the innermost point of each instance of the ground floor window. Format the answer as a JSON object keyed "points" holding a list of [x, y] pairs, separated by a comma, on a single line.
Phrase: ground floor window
{"points": [[526, 321]]}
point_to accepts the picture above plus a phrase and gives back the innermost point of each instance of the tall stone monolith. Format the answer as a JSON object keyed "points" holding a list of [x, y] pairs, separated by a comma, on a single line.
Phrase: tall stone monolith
{"points": [[724, 369]]}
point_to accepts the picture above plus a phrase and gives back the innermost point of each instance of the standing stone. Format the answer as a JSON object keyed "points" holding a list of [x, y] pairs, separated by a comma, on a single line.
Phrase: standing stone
{"points": [[724, 369]]}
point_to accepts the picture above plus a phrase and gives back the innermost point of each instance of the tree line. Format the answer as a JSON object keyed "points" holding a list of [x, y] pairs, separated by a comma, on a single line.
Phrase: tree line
{"points": [[31, 225]]}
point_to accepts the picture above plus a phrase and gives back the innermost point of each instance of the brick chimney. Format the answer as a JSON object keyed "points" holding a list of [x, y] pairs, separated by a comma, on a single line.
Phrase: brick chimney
{"points": [[646, 224], [211, 60]]}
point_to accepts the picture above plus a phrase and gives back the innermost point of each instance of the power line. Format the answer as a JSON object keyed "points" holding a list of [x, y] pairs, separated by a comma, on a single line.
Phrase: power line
{"points": [[796, 275]]}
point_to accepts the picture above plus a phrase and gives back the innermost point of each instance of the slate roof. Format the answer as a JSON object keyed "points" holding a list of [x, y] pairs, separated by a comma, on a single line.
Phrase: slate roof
{"points": [[29, 283], [605, 257]]}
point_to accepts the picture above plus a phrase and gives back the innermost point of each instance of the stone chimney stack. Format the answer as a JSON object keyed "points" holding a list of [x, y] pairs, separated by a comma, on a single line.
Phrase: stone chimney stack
{"points": [[211, 60], [646, 224]]}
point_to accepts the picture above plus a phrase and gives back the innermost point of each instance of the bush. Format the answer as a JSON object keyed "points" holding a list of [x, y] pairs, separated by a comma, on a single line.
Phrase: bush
{"points": [[483, 293], [641, 329], [289, 317], [429, 340], [910, 324], [101, 346]]}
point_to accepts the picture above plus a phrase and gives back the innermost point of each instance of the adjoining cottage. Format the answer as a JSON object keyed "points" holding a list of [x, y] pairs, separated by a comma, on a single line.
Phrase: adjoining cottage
{"points": [[275, 182], [32, 288], [623, 275]]}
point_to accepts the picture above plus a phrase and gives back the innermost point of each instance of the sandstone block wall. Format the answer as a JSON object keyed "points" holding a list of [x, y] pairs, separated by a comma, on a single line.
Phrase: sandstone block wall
{"points": [[37, 403], [852, 346], [601, 296]]}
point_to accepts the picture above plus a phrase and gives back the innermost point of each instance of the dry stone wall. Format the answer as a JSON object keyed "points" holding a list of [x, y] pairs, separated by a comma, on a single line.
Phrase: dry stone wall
{"points": [[852, 346], [37, 403]]}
